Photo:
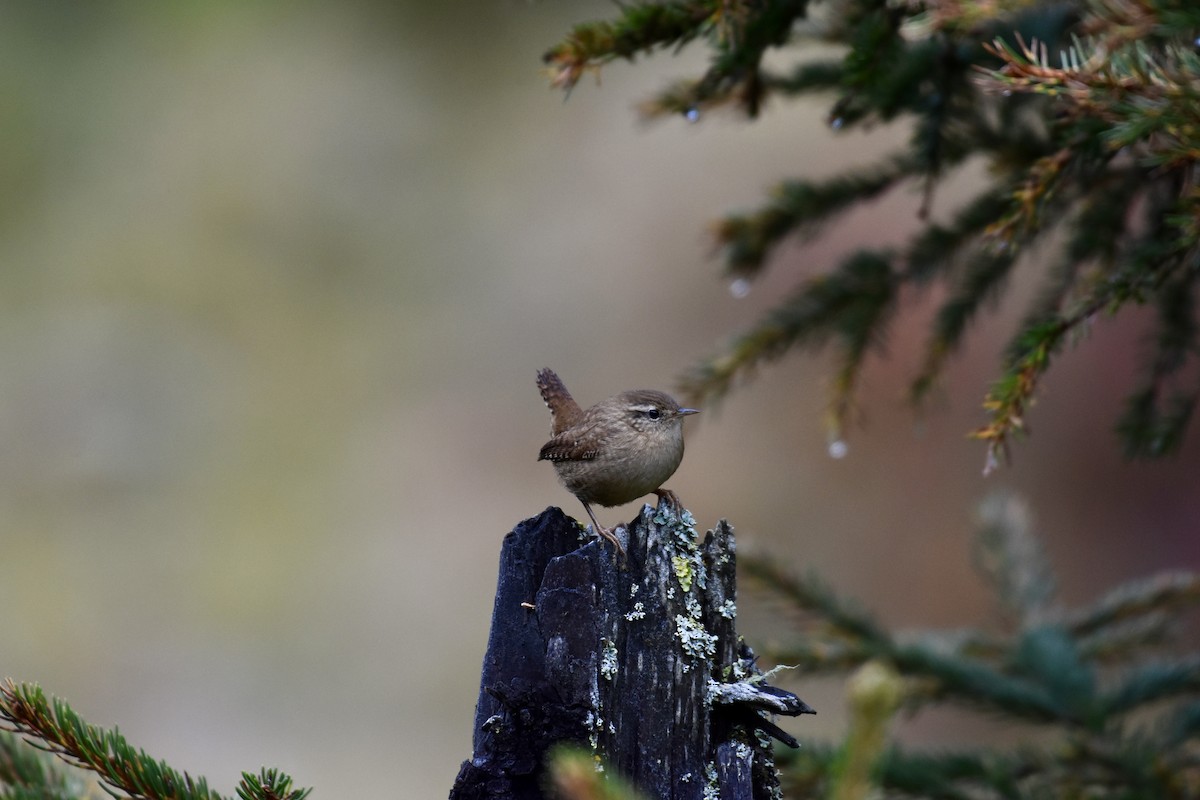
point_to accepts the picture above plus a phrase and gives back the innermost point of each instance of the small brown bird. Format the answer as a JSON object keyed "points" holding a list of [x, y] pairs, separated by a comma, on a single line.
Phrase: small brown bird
{"points": [[618, 450]]}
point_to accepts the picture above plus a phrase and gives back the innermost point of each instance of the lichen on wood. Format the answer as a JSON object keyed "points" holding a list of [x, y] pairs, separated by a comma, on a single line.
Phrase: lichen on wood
{"points": [[638, 660]]}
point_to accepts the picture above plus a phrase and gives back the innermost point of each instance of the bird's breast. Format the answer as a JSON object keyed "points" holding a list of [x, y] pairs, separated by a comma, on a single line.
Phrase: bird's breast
{"points": [[620, 474]]}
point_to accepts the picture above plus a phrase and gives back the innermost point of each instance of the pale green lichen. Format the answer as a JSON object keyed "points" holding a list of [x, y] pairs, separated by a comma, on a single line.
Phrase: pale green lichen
{"points": [[681, 524], [728, 609], [683, 571], [594, 725], [697, 643], [687, 560], [608, 660], [639, 612], [699, 568], [712, 789], [772, 672]]}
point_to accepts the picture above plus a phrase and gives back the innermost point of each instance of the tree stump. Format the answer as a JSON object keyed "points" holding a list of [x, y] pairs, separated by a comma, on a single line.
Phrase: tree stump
{"points": [[638, 661]]}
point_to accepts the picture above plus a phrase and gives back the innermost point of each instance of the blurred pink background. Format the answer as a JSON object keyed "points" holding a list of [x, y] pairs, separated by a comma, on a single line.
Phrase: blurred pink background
{"points": [[276, 281]]}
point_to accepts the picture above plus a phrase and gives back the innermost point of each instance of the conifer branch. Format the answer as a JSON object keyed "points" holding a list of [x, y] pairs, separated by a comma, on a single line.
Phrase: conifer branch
{"points": [[812, 595], [28, 711], [1133, 734], [844, 305], [982, 281], [1181, 725], [799, 209], [269, 784], [935, 252], [1087, 113], [1169, 592], [815, 76], [640, 28], [1152, 424], [1009, 557], [739, 32], [27, 773], [1154, 683], [52, 725]]}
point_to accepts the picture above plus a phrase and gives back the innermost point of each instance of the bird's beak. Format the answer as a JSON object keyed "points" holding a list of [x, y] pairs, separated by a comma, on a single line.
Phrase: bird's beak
{"points": [[683, 412]]}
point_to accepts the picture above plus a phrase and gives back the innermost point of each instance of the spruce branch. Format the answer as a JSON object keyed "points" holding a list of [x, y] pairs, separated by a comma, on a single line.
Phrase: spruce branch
{"points": [[269, 784], [1010, 396], [935, 251], [50, 724], [1153, 425], [972, 683], [1009, 556], [820, 655], [799, 209], [27, 710], [27, 773], [1154, 683], [739, 32], [1113, 645], [942, 775], [641, 28], [983, 280], [846, 305], [815, 76], [1169, 593], [1087, 114], [811, 594], [1181, 724], [1116, 724]]}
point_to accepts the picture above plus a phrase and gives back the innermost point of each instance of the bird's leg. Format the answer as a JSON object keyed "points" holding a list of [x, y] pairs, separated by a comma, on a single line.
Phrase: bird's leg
{"points": [[603, 531], [669, 497]]}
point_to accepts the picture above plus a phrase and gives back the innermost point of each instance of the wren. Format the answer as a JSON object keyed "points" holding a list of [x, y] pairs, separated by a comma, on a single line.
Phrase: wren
{"points": [[618, 450]]}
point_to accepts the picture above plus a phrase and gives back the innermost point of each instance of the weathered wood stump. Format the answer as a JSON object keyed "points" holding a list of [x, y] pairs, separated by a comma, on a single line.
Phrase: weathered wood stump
{"points": [[638, 661]]}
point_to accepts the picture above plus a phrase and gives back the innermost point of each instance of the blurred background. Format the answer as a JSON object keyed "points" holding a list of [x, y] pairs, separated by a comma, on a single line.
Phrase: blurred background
{"points": [[276, 279]]}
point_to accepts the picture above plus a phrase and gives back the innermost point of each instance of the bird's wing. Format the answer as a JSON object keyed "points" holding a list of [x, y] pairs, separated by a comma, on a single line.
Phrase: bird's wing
{"points": [[568, 447], [583, 442]]}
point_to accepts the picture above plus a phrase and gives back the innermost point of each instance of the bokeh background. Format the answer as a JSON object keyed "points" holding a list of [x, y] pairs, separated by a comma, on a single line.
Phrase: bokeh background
{"points": [[276, 278]]}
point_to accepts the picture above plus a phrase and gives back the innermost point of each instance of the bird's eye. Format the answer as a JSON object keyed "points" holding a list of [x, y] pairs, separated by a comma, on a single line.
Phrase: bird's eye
{"points": [[653, 413]]}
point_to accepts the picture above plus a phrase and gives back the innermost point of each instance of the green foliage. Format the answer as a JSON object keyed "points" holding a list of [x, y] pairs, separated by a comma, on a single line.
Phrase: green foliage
{"points": [[1119, 713], [269, 783], [50, 725], [26, 773], [573, 775], [1087, 114]]}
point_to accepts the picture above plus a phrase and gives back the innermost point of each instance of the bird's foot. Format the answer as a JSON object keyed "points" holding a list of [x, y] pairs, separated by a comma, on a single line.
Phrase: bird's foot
{"points": [[610, 534], [669, 497], [606, 533]]}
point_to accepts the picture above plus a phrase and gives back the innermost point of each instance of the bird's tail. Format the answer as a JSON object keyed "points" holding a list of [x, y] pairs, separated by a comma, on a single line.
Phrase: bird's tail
{"points": [[563, 408]]}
